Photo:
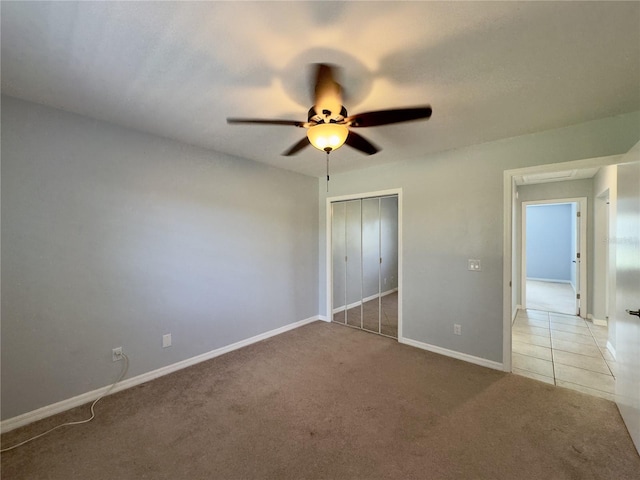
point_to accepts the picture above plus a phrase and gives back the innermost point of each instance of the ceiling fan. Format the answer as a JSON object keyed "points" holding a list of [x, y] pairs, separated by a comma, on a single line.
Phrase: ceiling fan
{"points": [[328, 124]]}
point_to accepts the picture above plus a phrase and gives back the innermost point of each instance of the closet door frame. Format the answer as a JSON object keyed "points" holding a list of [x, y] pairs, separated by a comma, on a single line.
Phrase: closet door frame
{"points": [[329, 248]]}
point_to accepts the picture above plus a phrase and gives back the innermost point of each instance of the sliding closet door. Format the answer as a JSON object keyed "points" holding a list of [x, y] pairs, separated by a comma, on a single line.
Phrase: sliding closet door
{"points": [[365, 264], [354, 262], [371, 264], [339, 248], [389, 266]]}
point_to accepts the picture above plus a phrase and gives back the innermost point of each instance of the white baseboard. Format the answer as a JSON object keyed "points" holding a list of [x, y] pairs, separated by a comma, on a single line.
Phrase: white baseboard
{"points": [[515, 313], [452, 353], [612, 350], [597, 321], [550, 280], [47, 411]]}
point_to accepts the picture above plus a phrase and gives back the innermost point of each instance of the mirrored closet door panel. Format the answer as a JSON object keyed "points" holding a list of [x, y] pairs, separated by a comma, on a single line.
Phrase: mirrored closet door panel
{"points": [[354, 262], [371, 264], [365, 264], [339, 248], [389, 266]]}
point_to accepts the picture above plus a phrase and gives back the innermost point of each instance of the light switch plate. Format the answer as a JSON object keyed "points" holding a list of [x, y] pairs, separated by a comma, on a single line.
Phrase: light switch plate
{"points": [[474, 265]]}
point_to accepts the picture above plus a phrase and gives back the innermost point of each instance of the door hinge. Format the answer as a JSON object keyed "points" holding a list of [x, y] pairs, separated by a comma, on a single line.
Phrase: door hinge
{"points": [[577, 214], [345, 258], [381, 260], [578, 296], [578, 255]]}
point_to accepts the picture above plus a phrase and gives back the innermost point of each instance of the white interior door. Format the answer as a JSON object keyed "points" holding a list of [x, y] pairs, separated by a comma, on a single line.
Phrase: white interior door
{"points": [[627, 243]]}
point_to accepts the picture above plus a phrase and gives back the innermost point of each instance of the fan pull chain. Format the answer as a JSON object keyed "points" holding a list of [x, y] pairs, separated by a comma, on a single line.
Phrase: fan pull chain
{"points": [[327, 170]]}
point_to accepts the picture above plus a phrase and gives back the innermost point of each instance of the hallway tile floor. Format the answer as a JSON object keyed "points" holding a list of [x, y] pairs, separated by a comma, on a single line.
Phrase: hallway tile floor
{"points": [[563, 350], [551, 296]]}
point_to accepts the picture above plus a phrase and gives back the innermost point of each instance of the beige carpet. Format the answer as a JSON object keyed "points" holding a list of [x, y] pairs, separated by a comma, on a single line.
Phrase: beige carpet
{"points": [[325, 401]]}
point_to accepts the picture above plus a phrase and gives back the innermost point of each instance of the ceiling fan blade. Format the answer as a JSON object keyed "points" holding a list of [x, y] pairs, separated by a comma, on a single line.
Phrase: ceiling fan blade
{"points": [[327, 93], [385, 117], [360, 143], [294, 123], [297, 147]]}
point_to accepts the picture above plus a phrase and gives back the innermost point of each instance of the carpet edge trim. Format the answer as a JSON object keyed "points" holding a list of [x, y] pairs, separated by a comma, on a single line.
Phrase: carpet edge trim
{"points": [[64, 405]]}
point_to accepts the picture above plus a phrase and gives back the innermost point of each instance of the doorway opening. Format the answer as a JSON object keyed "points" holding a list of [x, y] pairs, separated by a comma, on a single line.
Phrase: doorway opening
{"points": [[512, 275], [364, 271], [553, 266]]}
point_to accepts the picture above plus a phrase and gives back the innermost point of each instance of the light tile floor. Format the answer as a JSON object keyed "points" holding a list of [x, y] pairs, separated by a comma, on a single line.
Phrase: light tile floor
{"points": [[563, 350], [551, 297]]}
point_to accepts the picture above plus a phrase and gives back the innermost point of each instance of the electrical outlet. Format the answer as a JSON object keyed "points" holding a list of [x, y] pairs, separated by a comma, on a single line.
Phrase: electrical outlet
{"points": [[166, 340], [116, 354], [457, 329]]}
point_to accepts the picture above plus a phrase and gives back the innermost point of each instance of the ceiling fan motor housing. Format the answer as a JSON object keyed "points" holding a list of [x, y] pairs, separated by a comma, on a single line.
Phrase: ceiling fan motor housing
{"points": [[326, 116]]}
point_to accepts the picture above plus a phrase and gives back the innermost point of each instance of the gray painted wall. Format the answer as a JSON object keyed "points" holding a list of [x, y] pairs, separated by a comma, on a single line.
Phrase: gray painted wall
{"points": [[453, 211], [549, 242], [112, 237]]}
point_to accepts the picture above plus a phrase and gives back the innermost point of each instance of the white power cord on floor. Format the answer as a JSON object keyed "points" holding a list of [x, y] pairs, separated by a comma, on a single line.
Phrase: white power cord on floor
{"points": [[122, 374]]}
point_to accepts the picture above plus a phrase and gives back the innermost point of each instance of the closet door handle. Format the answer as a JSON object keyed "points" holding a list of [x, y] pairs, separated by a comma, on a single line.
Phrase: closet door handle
{"points": [[634, 312]]}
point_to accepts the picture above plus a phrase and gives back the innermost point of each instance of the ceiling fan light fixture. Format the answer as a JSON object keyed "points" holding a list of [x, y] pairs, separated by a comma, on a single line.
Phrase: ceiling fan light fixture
{"points": [[327, 136], [327, 129]]}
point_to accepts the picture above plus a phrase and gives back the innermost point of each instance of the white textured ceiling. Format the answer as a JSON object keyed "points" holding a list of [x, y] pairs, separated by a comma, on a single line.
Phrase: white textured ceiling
{"points": [[490, 70]]}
